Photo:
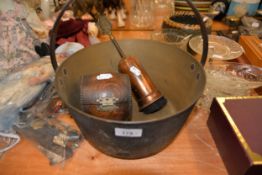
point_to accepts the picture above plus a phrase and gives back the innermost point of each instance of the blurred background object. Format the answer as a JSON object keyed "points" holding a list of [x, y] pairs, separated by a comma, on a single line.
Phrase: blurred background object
{"points": [[219, 48], [202, 6], [251, 26], [186, 21], [253, 48], [220, 7], [172, 36], [229, 79], [142, 14], [240, 8]]}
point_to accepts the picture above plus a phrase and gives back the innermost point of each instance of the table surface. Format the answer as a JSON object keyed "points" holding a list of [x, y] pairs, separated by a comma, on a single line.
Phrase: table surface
{"points": [[192, 152]]}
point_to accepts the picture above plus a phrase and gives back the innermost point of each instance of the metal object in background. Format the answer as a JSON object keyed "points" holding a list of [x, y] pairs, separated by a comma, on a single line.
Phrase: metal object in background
{"points": [[177, 74]]}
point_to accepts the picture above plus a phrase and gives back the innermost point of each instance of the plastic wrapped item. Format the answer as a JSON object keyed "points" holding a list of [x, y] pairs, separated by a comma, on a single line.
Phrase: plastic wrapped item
{"points": [[16, 93], [23, 85], [3, 74], [7, 117], [56, 139], [69, 48], [8, 138]]}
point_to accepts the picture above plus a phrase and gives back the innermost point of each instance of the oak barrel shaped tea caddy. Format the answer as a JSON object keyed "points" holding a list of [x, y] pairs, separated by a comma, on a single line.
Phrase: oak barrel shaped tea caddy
{"points": [[179, 77]]}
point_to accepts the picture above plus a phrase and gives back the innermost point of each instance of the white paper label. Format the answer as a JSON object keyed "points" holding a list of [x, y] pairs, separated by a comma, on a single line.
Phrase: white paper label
{"points": [[135, 70], [104, 76], [124, 132]]}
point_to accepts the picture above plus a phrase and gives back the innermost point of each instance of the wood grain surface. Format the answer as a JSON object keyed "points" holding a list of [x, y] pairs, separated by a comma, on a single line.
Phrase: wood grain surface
{"points": [[192, 152]]}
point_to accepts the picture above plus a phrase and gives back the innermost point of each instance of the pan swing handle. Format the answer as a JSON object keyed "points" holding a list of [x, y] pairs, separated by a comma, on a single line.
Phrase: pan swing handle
{"points": [[53, 34], [69, 2], [203, 32]]}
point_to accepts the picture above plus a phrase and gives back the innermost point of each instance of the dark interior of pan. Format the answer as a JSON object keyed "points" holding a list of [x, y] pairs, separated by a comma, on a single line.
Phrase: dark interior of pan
{"points": [[179, 77]]}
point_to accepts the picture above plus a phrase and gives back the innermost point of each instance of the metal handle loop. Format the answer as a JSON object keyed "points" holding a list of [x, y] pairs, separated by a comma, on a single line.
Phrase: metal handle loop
{"points": [[203, 32], [53, 33]]}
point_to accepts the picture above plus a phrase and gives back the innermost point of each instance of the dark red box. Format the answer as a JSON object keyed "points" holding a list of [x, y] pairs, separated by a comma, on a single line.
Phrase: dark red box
{"points": [[236, 126]]}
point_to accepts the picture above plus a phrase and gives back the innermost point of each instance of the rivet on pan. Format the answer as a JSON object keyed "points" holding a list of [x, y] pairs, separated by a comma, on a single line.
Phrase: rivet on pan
{"points": [[61, 82], [198, 76], [193, 66], [65, 71]]}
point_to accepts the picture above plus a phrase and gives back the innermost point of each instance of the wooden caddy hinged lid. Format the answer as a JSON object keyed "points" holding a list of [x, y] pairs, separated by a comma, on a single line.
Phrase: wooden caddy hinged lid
{"points": [[106, 95]]}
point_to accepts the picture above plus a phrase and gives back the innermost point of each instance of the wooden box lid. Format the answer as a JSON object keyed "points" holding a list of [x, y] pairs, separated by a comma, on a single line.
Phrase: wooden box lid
{"points": [[106, 95], [235, 125]]}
